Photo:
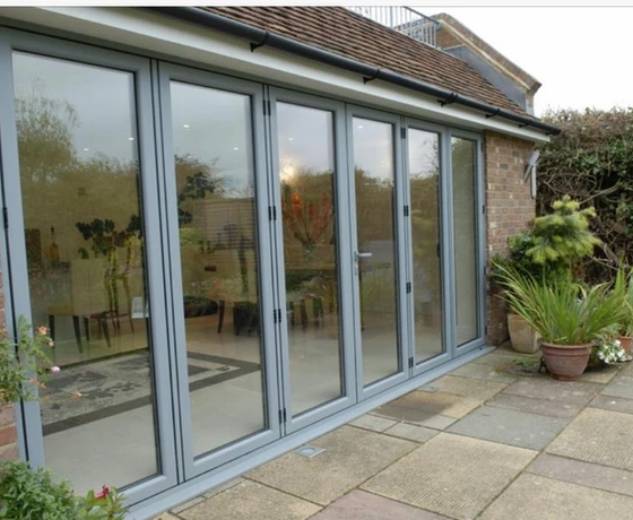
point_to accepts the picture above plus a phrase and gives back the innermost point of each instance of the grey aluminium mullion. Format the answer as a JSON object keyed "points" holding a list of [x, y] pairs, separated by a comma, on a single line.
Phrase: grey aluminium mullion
{"points": [[214, 458], [449, 245], [304, 418]]}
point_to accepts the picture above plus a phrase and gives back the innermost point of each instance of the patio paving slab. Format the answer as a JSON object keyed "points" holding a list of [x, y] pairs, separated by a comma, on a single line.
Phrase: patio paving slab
{"points": [[574, 393], [418, 406], [615, 404], [583, 473], [412, 432], [621, 386], [484, 372], [474, 389], [251, 500], [513, 427], [351, 456], [479, 470], [360, 505], [537, 406], [373, 423], [597, 436], [601, 376], [532, 497]]}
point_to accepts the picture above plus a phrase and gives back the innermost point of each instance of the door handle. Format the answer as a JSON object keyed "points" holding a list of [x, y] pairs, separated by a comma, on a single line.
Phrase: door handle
{"points": [[363, 255]]}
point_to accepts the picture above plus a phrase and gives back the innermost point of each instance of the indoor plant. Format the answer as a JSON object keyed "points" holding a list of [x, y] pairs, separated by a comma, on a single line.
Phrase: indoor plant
{"points": [[567, 316]]}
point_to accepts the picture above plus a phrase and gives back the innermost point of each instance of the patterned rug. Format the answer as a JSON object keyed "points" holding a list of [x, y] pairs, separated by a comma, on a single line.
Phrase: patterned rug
{"points": [[91, 391]]}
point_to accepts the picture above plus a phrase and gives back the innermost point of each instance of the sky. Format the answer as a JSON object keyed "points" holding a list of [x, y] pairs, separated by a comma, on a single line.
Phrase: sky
{"points": [[579, 54]]}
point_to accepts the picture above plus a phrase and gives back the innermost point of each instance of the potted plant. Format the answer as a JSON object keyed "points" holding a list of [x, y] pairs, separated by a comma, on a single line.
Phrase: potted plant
{"points": [[567, 316], [624, 287], [549, 250]]}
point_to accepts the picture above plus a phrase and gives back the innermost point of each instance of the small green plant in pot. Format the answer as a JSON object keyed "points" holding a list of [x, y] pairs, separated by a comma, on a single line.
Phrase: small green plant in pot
{"points": [[568, 317], [624, 287]]}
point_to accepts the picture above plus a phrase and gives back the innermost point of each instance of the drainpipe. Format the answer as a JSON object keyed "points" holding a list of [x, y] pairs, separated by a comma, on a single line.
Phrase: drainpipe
{"points": [[260, 37]]}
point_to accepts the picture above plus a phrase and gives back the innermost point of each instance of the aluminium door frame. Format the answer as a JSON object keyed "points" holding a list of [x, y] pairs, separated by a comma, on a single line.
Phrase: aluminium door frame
{"points": [[444, 246], [480, 240], [343, 258], [403, 343], [194, 466], [18, 281]]}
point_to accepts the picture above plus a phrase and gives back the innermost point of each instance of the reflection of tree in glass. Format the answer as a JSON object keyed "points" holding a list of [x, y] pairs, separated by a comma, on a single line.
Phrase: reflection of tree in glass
{"points": [[308, 209], [194, 180], [374, 207]]}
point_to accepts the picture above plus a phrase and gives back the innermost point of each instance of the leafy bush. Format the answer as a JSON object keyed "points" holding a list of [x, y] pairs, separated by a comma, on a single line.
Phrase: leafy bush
{"points": [[562, 312], [592, 160], [623, 285], [31, 494]]}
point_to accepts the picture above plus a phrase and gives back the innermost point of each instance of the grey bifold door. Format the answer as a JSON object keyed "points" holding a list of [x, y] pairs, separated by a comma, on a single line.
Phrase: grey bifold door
{"points": [[220, 257]]}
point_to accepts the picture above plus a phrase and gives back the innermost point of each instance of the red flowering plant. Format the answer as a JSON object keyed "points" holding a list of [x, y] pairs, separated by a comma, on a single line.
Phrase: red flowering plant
{"points": [[106, 504]]}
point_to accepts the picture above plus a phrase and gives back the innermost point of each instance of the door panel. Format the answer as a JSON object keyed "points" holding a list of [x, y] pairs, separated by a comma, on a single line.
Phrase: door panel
{"points": [[212, 133], [308, 151], [78, 168]]}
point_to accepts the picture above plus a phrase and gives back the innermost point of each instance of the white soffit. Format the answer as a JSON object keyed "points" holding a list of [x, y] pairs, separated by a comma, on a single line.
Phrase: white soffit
{"points": [[180, 40]]}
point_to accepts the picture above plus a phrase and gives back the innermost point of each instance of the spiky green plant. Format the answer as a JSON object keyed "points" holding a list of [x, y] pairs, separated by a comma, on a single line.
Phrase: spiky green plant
{"points": [[562, 312], [623, 286]]}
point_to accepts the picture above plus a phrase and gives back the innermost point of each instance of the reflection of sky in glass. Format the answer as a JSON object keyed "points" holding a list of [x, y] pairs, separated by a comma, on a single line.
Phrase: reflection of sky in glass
{"points": [[423, 154], [305, 140], [214, 127], [103, 130], [373, 148]]}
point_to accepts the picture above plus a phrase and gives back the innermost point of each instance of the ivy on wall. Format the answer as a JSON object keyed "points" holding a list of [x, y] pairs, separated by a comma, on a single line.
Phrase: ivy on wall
{"points": [[592, 161]]}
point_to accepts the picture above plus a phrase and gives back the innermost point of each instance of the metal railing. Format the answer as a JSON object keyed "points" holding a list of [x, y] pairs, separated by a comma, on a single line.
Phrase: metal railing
{"points": [[402, 19]]}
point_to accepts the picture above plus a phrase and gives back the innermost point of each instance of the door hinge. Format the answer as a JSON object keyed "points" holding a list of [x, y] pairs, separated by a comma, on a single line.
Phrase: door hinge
{"points": [[282, 415], [5, 217], [277, 316], [266, 107], [411, 362], [408, 286], [403, 133], [438, 251], [406, 210], [272, 212], [483, 209]]}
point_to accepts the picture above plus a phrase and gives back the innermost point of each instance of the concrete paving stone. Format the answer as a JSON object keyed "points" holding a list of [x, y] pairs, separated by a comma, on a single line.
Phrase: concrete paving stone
{"points": [[373, 423], [418, 407], [597, 436], [250, 500], [621, 386], [412, 432], [525, 430], [360, 505], [583, 473], [165, 516], [222, 487], [537, 406], [601, 375], [351, 456], [615, 404], [502, 358], [451, 475], [626, 369], [574, 393], [485, 372], [532, 497], [475, 389]]}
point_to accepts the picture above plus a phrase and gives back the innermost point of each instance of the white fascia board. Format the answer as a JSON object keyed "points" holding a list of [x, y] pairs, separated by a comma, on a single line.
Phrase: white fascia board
{"points": [[179, 40]]}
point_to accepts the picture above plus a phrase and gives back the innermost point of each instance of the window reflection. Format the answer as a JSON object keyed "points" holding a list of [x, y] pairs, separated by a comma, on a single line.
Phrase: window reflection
{"points": [[464, 238], [424, 171], [374, 181], [216, 213], [79, 175], [306, 156]]}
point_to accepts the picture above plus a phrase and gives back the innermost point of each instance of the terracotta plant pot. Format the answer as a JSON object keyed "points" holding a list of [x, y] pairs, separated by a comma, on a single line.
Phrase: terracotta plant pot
{"points": [[566, 362], [627, 343], [523, 337]]}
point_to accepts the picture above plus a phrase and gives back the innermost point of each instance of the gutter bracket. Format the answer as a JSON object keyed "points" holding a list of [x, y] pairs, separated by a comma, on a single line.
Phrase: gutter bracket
{"points": [[367, 79], [263, 41], [451, 98], [493, 114]]}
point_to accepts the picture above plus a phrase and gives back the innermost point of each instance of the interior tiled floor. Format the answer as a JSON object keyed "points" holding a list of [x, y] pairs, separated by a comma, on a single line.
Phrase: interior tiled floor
{"points": [[493, 440]]}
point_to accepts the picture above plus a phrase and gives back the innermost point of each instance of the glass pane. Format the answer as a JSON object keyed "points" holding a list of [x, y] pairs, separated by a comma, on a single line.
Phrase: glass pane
{"points": [[216, 213], [465, 237], [79, 173], [306, 161], [424, 178], [375, 193]]}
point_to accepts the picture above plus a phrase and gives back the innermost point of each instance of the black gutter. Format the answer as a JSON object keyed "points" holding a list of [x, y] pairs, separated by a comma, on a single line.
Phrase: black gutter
{"points": [[259, 37]]}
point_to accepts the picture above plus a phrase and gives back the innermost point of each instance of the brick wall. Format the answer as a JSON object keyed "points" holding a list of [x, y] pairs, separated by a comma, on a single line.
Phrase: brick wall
{"points": [[510, 208], [8, 435]]}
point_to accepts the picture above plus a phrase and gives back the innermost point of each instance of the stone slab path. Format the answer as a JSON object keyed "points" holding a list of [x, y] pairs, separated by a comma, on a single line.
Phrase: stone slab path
{"points": [[493, 440]]}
